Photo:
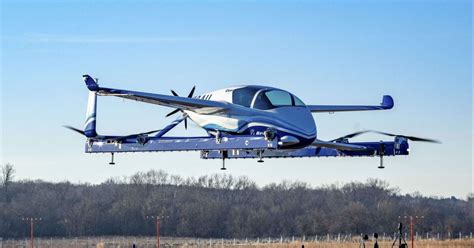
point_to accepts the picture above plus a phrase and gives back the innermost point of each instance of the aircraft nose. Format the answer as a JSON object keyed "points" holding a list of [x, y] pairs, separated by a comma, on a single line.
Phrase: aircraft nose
{"points": [[307, 122], [300, 119]]}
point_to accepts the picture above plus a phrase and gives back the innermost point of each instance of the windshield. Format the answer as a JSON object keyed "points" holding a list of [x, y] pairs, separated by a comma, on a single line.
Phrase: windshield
{"points": [[265, 98], [298, 102], [279, 98]]}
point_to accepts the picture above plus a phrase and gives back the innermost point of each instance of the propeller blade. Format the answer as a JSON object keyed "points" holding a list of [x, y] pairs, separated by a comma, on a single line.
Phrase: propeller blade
{"points": [[173, 112], [75, 130], [412, 138], [131, 136], [192, 92], [174, 93], [352, 135], [186, 123]]}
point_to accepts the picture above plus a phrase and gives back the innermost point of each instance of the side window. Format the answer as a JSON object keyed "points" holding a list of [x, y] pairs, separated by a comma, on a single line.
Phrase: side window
{"points": [[279, 98], [298, 102], [243, 96]]}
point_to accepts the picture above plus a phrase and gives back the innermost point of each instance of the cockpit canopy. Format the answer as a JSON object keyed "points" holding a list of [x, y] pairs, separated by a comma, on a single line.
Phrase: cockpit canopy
{"points": [[264, 98]]}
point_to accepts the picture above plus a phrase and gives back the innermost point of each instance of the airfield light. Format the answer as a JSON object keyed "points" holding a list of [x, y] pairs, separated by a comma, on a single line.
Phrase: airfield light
{"points": [[413, 219], [32, 221], [158, 219]]}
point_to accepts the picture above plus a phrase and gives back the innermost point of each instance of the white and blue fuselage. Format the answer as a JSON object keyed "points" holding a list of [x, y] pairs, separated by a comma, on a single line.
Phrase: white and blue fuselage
{"points": [[257, 109]]}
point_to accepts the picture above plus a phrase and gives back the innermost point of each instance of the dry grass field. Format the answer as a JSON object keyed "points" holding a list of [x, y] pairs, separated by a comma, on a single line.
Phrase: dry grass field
{"points": [[383, 244], [150, 242]]}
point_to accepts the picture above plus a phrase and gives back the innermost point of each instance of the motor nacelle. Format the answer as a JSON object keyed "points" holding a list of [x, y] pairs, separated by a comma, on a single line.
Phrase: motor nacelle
{"points": [[288, 140], [142, 139]]}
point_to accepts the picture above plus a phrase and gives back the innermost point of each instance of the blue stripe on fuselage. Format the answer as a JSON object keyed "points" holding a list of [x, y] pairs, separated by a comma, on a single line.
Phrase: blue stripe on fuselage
{"points": [[259, 130]]}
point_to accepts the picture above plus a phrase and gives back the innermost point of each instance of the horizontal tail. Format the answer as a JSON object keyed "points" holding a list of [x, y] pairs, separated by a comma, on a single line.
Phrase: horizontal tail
{"points": [[387, 102], [91, 83]]}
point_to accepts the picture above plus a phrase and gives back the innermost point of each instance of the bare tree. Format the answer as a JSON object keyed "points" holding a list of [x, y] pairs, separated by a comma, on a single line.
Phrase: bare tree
{"points": [[8, 174], [220, 206]]}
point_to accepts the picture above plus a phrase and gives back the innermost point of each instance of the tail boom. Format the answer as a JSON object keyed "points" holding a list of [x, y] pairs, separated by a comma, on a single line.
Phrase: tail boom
{"points": [[90, 124]]}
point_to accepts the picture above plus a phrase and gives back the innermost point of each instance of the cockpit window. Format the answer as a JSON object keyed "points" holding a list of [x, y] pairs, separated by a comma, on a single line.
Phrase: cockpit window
{"points": [[244, 96], [298, 102], [262, 102], [272, 99], [264, 99]]}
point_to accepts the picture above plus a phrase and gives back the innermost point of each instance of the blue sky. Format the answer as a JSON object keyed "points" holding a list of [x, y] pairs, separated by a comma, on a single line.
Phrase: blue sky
{"points": [[341, 52]]}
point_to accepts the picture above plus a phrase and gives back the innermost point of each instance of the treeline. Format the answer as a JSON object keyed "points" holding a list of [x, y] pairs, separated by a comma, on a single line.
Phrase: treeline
{"points": [[220, 206]]}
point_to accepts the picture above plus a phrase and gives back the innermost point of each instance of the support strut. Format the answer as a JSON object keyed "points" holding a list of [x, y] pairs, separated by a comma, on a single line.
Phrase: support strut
{"points": [[112, 159], [381, 154], [224, 156], [260, 159]]}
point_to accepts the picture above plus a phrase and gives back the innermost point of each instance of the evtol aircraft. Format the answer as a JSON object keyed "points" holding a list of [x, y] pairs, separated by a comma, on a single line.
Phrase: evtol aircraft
{"points": [[251, 121]]}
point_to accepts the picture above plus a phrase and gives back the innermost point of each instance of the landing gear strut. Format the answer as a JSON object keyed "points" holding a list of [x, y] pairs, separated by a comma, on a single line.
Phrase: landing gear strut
{"points": [[260, 159], [112, 160], [381, 153], [224, 156]]}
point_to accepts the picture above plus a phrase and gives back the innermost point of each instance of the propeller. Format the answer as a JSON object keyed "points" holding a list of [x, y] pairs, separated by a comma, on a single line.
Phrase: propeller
{"points": [[136, 135], [412, 138], [190, 95], [115, 138], [75, 130], [352, 135]]}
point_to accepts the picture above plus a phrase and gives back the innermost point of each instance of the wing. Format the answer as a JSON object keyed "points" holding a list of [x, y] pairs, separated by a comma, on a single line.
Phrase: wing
{"points": [[185, 103], [339, 146], [387, 103]]}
